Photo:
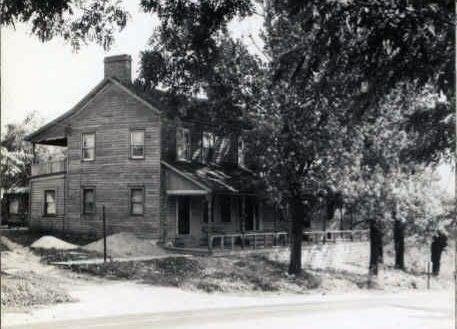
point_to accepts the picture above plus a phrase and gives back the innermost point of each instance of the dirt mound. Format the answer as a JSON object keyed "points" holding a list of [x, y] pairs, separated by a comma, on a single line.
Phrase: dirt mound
{"points": [[125, 244], [51, 242]]}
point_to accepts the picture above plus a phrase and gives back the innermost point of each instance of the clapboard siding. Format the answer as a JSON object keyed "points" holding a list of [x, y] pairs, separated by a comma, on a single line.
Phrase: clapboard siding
{"points": [[112, 115], [37, 219]]}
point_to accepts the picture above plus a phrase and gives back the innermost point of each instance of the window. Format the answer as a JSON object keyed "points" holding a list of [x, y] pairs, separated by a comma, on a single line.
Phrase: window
{"points": [[88, 147], [49, 203], [225, 210], [241, 152], [14, 207], [183, 144], [137, 201], [207, 146], [89, 201], [137, 144]]}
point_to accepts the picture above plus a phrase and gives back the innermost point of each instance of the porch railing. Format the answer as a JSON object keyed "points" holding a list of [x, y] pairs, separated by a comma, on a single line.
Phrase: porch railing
{"points": [[335, 236], [254, 240], [258, 240], [50, 167]]}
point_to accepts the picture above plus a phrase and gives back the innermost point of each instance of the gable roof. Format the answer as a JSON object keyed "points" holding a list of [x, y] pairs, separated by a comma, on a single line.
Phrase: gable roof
{"points": [[87, 99]]}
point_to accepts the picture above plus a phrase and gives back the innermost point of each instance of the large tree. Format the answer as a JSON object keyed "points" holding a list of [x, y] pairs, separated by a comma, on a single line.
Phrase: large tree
{"points": [[76, 21], [327, 67]]}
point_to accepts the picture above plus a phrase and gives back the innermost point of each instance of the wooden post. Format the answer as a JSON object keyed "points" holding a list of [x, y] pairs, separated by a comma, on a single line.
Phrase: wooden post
{"points": [[428, 275], [243, 216], [104, 233], [34, 152], [209, 199]]}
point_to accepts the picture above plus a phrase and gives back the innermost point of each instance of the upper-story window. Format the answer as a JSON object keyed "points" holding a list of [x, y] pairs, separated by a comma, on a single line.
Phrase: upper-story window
{"points": [[207, 146], [137, 144], [183, 150], [14, 206], [241, 152], [88, 147]]}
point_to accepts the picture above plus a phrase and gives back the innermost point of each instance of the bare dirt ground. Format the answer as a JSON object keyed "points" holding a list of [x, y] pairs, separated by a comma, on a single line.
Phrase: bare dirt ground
{"points": [[28, 280]]}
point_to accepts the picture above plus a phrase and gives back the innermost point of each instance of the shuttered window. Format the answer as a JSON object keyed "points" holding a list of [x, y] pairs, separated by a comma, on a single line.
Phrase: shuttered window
{"points": [[137, 144]]}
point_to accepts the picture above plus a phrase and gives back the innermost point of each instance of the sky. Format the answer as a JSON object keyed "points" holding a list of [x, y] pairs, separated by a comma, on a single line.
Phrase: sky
{"points": [[51, 78]]}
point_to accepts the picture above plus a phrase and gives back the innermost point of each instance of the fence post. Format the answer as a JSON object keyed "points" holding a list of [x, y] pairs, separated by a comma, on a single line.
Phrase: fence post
{"points": [[428, 275], [104, 233]]}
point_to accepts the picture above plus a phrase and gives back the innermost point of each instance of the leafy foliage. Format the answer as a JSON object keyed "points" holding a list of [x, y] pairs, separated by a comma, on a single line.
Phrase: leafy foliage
{"points": [[17, 155], [78, 22], [336, 98]]}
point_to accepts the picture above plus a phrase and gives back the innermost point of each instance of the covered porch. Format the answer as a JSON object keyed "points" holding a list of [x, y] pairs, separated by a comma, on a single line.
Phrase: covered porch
{"points": [[208, 211], [205, 203]]}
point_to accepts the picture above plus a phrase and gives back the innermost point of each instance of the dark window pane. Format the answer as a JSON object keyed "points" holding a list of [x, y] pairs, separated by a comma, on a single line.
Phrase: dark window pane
{"points": [[137, 151]]}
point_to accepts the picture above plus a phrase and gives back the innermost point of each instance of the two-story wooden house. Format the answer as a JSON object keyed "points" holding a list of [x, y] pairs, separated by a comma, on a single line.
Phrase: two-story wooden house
{"points": [[157, 175]]}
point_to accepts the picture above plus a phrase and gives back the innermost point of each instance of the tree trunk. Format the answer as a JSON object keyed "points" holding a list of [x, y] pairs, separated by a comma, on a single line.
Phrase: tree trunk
{"points": [[297, 213], [399, 244], [439, 242], [375, 248]]}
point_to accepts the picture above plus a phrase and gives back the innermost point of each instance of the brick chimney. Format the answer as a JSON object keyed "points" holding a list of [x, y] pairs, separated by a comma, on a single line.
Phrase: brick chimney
{"points": [[119, 67]]}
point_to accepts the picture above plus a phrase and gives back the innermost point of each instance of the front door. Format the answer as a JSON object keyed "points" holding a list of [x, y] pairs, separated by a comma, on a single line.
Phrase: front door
{"points": [[251, 214], [183, 215]]}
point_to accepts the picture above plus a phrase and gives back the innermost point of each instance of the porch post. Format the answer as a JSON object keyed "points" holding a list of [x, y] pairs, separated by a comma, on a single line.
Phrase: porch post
{"points": [[243, 217], [34, 152], [209, 199]]}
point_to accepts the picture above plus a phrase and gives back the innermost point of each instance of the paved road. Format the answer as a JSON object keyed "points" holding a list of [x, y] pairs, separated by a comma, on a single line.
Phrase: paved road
{"points": [[408, 312]]}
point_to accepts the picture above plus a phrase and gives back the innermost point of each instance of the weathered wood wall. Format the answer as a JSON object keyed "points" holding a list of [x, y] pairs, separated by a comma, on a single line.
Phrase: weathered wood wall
{"points": [[38, 220], [112, 115]]}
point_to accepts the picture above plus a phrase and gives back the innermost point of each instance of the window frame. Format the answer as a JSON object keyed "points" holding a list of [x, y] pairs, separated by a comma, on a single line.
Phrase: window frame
{"points": [[206, 158], [131, 145], [131, 203], [87, 148], [188, 145], [241, 152], [83, 201], [14, 201], [45, 203]]}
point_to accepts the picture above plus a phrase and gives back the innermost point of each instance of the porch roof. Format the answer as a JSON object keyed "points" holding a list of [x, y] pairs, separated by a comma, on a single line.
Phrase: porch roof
{"points": [[214, 178]]}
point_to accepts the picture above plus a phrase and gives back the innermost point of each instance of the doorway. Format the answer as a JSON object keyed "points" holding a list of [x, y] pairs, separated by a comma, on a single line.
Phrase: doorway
{"points": [[183, 209]]}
